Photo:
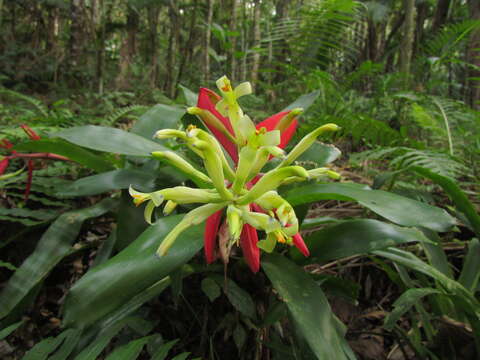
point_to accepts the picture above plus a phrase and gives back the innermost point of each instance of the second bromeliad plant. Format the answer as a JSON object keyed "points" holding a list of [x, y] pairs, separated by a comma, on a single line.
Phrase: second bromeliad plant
{"points": [[237, 201]]}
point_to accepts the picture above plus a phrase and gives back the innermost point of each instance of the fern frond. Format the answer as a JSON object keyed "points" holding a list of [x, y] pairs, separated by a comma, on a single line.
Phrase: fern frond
{"points": [[37, 104], [449, 39], [118, 114], [404, 157]]}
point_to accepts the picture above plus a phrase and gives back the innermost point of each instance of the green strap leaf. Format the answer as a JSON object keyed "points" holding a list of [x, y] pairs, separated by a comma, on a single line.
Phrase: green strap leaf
{"points": [[160, 116], [163, 350], [398, 209], [471, 267], [129, 351], [9, 329], [408, 299], [71, 151], [108, 181], [308, 305], [41, 350], [456, 194], [112, 284], [109, 140], [304, 101], [355, 237], [54, 245]]}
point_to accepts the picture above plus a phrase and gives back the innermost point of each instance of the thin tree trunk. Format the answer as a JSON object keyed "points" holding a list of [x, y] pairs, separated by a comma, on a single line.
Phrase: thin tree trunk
{"points": [[76, 31], [99, 19], [1, 12], [208, 34], [407, 39], [153, 12], [422, 14], [233, 40], [256, 41], [174, 41], [128, 49], [441, 14], [188, 49], [473, 57]]}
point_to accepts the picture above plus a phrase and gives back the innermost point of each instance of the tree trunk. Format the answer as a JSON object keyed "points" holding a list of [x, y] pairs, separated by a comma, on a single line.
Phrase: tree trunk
{"points": [[128, 49], [153, 12], [76, 33], [233, 40], [441, 14], [473, 57], [407, 39], [256, 42], [208, 34], [1, 12], [174, 40], [188, 49], [422, 14], [99, 27]]}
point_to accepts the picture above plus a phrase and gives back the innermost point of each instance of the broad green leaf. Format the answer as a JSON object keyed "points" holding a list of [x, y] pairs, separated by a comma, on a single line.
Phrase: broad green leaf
{"points": [[321, 154], [112, 284], [7, 265], [109, 181], [94, 348], [395, 208], [162, 351], [190, 96], [158, 117], [211, 289], [459, 198], [45, 214], [9, 329], [47, 346], [239, 298], [304, 101], [71, 151], [111, 140], [71, 340], [130, 221], [308, 306], [54, 245], [129, 351], [471, 266], [409, 298], [355, 237], [311, 223], [411, 261], [181, 356], [435, 253]]}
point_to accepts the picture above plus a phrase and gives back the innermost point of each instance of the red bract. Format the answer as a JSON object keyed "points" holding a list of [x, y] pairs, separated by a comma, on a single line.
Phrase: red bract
{"points": [[210, 235], [5, 144], [207, 100], [248, 243]]}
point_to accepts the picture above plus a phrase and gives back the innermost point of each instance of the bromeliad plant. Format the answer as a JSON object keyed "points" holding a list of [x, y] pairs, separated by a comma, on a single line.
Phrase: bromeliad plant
{"points": [[239, 200]]}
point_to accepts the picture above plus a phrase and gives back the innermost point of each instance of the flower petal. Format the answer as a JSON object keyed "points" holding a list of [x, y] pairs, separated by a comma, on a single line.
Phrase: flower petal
{"points": [[210, 235], [300, 244], [248, 243], [271, 122], [207, 100]]}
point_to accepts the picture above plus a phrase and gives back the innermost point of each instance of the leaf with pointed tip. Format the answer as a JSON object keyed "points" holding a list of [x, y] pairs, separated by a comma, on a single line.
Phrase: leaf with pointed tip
{"points": [[109, 181], [308, 306], [398, 209], [112, 284], [111, 140], [355, 237], [54, 245]]}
